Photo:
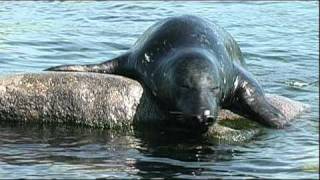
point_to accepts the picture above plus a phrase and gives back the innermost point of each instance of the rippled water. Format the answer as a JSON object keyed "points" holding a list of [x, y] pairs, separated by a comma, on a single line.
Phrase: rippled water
{"points": [[279, 41]]}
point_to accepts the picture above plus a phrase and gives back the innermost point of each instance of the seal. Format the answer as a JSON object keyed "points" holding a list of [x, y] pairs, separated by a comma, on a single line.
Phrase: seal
{"points": [[192, 67]]}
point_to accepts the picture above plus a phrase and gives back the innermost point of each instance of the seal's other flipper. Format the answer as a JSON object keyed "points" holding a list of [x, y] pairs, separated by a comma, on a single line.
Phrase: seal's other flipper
{"points": [[113, 66], [250, 102]]}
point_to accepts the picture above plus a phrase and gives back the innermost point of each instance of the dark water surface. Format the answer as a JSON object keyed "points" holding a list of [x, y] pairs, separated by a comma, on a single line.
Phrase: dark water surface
{"points": [[279, 41]]}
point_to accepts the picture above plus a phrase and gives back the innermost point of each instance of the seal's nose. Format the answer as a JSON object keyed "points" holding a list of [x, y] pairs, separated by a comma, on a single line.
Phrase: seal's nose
{"points": [[207, 116], [205, 119], [209, 119]]}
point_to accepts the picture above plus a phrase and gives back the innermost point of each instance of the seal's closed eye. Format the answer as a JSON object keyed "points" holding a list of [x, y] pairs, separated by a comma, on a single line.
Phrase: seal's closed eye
{"points": [[184, 86], [215, 90]]}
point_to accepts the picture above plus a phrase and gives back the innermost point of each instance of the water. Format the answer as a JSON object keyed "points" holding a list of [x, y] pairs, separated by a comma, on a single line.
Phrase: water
{"points": [[279, 41]]}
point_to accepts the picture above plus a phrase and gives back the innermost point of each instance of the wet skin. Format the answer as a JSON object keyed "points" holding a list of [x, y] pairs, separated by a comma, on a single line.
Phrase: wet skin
{"points": [[193, 68]]}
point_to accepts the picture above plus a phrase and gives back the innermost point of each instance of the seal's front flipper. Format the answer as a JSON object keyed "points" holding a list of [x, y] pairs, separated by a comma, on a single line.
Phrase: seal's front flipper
{"points": [[73, 68], [251, 102], [113, 66]]}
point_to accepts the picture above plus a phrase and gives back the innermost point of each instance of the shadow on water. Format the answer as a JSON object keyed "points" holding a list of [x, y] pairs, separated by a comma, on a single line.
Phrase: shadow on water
{"points": [[146, 153], [170, 154]]}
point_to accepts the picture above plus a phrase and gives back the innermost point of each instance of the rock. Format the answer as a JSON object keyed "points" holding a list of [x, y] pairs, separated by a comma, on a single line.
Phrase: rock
{"points": [[104, 101], [97, 100]]}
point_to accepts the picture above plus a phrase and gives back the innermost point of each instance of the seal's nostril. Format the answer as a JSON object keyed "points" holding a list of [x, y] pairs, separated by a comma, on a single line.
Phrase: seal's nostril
{"points": [[203, 120], [210, 119]]}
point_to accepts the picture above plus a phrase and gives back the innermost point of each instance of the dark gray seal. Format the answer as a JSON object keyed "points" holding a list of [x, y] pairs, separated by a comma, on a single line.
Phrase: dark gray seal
{"points": [[193, 68]]}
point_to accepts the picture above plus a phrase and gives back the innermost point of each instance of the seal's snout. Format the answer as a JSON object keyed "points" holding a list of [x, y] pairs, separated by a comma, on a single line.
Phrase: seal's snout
{"points": [[205, 119], [209, 119], [200, 123], [196, 122]]}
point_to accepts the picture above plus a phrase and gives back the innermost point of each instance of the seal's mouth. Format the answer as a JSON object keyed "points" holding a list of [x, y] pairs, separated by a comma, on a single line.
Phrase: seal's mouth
{"points": [[194, 123]]}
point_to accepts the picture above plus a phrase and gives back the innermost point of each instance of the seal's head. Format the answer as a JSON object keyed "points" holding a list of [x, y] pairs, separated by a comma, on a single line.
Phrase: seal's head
{"points": [[192, 90]]}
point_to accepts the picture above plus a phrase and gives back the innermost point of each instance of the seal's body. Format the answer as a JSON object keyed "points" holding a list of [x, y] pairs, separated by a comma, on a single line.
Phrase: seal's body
{"points": [[192, 68]]}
